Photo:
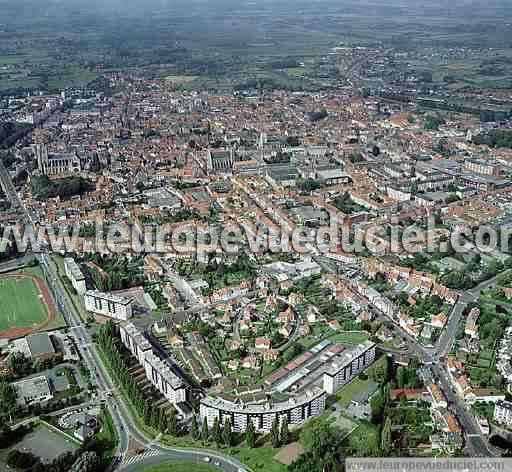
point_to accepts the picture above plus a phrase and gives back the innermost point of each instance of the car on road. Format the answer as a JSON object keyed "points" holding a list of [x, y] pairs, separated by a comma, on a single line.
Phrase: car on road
{"points": [[207, 459]]}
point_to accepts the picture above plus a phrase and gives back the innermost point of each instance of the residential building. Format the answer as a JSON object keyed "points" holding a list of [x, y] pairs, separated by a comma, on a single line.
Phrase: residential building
{"points": [[503, 413], [160, 372], [105, 304], [296, 410], [349, 365], [75, 275]]}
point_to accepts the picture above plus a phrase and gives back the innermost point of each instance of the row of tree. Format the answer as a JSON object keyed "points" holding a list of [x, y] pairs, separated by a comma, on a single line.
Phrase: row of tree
{"points": [[223, 435], [157, 418], [218, 434]]}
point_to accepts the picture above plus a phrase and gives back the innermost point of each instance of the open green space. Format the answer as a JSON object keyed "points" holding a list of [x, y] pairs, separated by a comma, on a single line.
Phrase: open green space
{"points": [[260, 458], [20, 304], [107, 434], [349, 391], [347, 338], [181, 467], [363, 441]]}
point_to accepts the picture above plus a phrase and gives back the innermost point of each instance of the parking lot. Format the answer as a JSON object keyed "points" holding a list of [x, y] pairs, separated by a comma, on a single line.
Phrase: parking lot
{"points": [[46, 444]]}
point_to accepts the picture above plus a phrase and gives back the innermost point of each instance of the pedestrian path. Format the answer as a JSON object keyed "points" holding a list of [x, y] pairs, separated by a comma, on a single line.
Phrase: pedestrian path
{"points": [[140, 457]]}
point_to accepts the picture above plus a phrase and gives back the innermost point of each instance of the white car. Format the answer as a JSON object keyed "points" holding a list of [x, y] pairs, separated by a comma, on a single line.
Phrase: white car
{"points": [[206, 459]]}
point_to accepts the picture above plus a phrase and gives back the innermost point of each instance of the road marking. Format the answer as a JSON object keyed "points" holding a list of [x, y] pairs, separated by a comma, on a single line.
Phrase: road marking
{"points": [[474, 435], [140, 457]]}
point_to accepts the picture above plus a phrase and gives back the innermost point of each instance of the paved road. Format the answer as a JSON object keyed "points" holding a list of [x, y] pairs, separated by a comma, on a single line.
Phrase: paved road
{"points": [[126, 426], [447, 338], [476, 445]]}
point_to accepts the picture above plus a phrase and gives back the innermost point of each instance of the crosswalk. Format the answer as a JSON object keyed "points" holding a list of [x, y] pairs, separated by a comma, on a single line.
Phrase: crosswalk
{"points": [[140, 457]]}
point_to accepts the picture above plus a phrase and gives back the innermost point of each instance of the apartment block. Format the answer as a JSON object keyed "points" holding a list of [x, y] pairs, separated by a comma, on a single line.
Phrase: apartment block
{"points": [[75, 275], [348, 365], [106, 304], [297, 410]]}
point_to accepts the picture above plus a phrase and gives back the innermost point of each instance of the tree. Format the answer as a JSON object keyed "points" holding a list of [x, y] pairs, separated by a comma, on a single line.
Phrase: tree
{"points": [[377, 407], [21, 460], [285, 433], [194, 428], [385, 437], [401, 377], [308, 185], [172, 424], [87, 462], [250, 435], [8, 398], [154, 417], [227, 433], [216, 432], [274, 433], [324, 450], [204, 432]]}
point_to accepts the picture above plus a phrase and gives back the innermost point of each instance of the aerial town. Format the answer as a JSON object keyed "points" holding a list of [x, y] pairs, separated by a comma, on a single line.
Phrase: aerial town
{"points": [[122, 355]]}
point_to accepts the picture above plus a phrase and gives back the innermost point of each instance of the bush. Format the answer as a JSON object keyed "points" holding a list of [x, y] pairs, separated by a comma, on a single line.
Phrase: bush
{"points": [[21, 460]]}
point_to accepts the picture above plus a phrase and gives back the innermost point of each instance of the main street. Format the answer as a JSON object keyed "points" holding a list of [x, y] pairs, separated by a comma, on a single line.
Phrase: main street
{"points": [[126, 425]]}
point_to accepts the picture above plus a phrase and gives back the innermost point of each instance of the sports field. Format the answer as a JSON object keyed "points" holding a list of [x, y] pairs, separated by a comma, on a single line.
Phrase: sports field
{"points": [[21, 303]]}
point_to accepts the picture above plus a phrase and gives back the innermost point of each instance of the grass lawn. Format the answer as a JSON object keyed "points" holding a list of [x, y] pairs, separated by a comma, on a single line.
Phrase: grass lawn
{"points": [[347, 338], [364, 438], [20, 304], [59, 321], [108, 434], [260, 458], [181, 467], [350, 390]]}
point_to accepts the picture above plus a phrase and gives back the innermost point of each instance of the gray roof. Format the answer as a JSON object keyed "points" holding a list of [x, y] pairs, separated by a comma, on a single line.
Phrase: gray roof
{"points": [[39, 344]]}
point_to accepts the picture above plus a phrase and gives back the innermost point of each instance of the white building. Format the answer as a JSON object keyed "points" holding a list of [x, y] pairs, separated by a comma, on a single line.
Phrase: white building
{"points": [[109, 305], [135, 341], [349, 365], [159, 372], [503, 413], [75, 275], [297, 410], [33, 390], [164, 379]]}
